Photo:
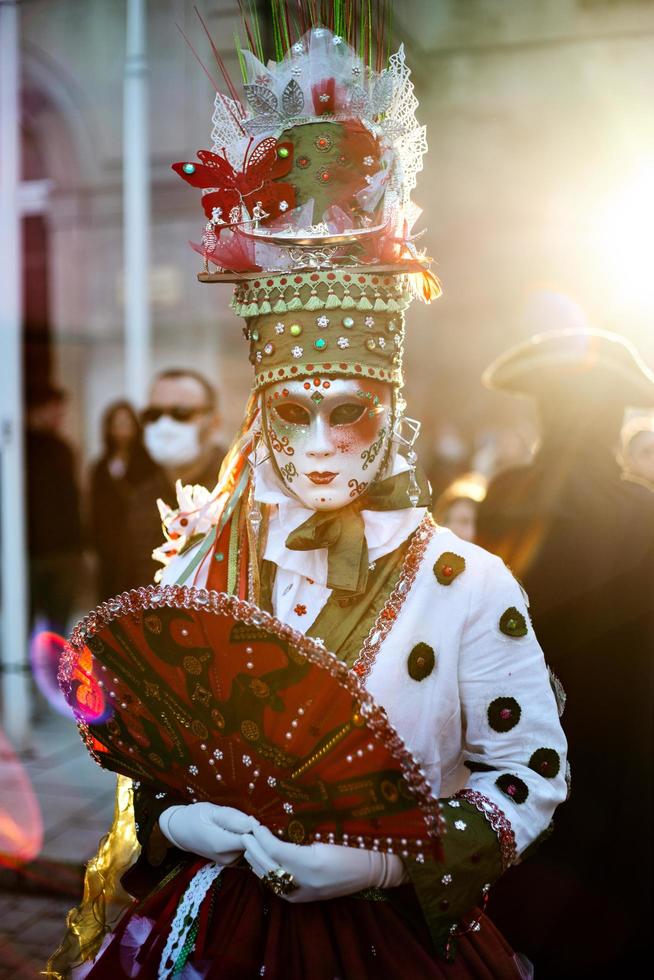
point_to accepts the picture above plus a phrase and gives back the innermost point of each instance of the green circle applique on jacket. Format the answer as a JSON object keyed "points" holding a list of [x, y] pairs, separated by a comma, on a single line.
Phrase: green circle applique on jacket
{"points": [[421, 661], [546, 763], [512, 787], [504, 714]]}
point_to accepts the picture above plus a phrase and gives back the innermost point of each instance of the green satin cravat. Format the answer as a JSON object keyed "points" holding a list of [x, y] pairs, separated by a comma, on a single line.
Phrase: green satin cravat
{"points": [[342, 531]]}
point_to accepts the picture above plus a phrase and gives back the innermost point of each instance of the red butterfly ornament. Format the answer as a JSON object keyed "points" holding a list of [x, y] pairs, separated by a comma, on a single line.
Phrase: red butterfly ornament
{"points": [[257, 182]]}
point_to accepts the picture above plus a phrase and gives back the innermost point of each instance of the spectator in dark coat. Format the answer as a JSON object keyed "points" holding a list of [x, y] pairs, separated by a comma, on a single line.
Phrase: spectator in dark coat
{"points": [[123, 465], [581, 539], [180, 426], [53, 512]]}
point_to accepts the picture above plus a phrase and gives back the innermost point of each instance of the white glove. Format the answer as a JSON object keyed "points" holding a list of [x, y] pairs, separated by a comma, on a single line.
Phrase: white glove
{"points": [[322, 871], [213, 832]]}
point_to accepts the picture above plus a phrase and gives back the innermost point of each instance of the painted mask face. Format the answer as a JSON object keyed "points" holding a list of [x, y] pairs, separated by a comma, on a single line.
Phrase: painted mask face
{"points": [[329, 436]]}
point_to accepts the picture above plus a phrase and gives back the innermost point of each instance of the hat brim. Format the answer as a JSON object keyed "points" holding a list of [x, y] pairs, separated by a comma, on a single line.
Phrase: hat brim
{"points": [[398, 269], [561, 358]]}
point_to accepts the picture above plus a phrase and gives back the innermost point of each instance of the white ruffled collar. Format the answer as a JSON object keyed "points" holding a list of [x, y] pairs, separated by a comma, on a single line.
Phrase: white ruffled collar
{"points": [[385, 530]]}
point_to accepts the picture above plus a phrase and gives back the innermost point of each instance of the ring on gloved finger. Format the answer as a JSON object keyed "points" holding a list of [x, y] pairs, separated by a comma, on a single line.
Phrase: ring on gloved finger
{"points": [[280, 882]]}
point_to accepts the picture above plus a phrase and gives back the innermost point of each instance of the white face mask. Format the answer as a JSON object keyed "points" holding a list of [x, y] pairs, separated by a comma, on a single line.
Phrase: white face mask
{"points": [[172, 443], [328, 436]]}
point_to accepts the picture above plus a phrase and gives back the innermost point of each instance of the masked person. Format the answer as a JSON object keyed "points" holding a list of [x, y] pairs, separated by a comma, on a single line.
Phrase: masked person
{"points": [[580, 535], [180, 425], [320, 519]]}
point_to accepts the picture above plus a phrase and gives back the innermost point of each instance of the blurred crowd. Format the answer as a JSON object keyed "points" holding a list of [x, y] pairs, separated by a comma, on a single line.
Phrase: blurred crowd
{"points": [[105, 522]]}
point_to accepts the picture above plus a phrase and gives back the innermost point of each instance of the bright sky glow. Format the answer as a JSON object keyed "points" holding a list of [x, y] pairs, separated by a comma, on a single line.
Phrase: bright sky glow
{"points": [[624, 235]]}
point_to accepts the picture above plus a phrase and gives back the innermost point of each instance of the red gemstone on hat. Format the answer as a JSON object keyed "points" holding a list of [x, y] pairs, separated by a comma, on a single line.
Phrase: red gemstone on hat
{"points": [[447, 570], [511, 790], [307, 384], [183, 521], [505, 713]]}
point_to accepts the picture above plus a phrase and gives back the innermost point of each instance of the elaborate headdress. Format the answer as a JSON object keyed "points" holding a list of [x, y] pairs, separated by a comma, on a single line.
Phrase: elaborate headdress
{"points": [[307, 191]]}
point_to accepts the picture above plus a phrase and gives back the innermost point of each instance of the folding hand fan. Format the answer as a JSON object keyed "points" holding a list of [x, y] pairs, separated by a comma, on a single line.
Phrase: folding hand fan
{"points": [[207, 696]]}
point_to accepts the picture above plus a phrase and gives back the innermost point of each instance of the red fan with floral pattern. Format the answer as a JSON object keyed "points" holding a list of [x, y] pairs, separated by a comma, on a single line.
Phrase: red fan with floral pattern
{"points": [[205, 695]]}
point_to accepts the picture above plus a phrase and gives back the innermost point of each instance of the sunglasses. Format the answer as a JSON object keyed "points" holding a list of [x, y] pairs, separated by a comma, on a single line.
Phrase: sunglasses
{"points": [[179, 413]]}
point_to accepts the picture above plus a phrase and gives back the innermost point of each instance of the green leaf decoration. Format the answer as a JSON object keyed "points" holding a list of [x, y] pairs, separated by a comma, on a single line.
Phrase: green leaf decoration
{"points": [[448, 567], [513, 623]]}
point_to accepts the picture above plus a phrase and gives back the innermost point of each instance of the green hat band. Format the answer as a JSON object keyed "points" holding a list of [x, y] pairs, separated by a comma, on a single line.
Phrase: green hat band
{"points": [[339, 342], [327, 289]]}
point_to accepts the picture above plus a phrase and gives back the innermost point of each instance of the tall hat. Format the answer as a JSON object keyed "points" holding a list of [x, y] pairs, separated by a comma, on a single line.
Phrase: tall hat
{"points": [[307, 195]]}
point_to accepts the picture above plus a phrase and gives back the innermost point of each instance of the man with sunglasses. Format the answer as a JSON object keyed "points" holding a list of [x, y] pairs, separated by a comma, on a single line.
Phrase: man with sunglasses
{"points": [[180, 427]]}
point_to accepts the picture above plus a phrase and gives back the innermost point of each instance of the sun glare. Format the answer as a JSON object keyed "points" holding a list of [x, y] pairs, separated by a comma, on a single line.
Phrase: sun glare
{"points": [[624, 233]]}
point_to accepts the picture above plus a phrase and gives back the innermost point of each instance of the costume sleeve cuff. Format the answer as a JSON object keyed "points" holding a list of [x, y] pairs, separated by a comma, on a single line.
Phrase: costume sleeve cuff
{"points": [[498, 820], [450, 893]]}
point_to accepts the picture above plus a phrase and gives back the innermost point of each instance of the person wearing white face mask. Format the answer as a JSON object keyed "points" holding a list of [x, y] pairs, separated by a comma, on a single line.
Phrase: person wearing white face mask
{"points": [[180, 432], [320, 518]]}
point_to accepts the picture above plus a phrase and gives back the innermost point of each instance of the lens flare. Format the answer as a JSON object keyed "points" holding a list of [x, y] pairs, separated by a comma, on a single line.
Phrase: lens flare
{"points": [[87, 699], [46, 649], [21, 824]]}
